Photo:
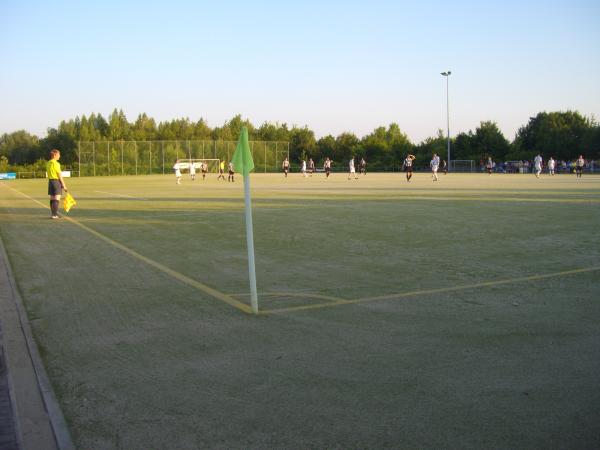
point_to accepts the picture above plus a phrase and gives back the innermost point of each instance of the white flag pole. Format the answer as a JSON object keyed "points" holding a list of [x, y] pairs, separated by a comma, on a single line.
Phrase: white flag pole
{"points": [[250, 244]]}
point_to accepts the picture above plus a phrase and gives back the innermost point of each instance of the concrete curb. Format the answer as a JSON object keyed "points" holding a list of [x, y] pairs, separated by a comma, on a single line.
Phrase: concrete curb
{"points": [[39, 422]]}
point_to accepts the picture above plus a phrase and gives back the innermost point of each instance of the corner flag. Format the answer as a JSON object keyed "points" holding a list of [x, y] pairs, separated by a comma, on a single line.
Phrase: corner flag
{"points": [[242, 161], [242, 158]]}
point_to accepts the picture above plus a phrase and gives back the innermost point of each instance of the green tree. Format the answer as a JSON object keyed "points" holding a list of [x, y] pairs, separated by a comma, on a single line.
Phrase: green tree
{"points": [[272, 132], [302, 142], [557, 134], [487, 140], [325, 148], [201, 130], [144, 128], [19, 147], [346, 146], [62, 141]]}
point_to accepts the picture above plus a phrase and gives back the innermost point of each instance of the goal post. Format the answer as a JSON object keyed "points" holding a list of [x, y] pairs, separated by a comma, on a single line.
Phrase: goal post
{"points": [[462, 165], [212, 165]]}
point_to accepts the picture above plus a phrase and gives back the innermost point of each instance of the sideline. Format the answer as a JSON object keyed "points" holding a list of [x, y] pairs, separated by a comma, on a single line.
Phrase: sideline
{"points": [[39, 421]]}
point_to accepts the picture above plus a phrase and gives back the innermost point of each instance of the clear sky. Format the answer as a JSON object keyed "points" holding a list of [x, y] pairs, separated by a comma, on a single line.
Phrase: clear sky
{"points": [[334, 66]]}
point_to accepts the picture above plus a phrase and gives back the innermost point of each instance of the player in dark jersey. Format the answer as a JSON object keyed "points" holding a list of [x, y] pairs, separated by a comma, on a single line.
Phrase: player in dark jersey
{"points": [[231, 172], [327, 167], [408, 166], [311, 167], [286, 166], [362, 166]]}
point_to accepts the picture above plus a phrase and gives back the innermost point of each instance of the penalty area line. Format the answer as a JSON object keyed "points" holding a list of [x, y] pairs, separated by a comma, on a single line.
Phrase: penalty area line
{"points": [[179, 276]]}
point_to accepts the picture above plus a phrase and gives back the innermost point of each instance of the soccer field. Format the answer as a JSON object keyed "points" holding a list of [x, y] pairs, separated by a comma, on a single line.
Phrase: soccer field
{"points": [[462, 313]]}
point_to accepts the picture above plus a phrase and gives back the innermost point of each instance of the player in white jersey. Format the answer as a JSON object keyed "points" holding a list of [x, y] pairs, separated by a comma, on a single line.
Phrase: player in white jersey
{"points": [[231, 172], [192, 171], [351, 169], [489, 165], [303, 168], [537, 165], [311, 167], [363, 166], [177, 170], [551, 166], [579, 165], [434, 164], [204, 169]]}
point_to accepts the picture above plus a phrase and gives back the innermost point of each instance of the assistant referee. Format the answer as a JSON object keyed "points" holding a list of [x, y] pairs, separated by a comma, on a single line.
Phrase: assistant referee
{"points": [[56, 182]]}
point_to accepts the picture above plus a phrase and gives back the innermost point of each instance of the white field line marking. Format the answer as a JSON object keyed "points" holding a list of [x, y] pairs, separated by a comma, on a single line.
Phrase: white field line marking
{"points": [[179, 276]]}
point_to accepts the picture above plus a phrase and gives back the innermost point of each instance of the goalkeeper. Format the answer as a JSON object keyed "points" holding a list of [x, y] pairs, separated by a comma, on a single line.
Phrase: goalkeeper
{"points": [[56, 182]]}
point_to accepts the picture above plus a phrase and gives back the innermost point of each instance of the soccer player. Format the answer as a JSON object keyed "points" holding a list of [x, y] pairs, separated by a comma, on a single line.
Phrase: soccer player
{"points": [[537, 163], [363, 166], [489, 165], [551, 166], [231, 172], [445, 167], [221, 171], [327, 167], [434, 164], [204, 169], [351, 169], [177, 170], [286, 167], [192, 171], [56, 182], [408, 166], [303, 168], [579, 164], [311, 167]]}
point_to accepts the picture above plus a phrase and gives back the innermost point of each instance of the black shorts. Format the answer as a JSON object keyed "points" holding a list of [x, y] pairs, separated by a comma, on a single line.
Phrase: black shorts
{"points": [[408, 168], [231, 172], [54, 187]]}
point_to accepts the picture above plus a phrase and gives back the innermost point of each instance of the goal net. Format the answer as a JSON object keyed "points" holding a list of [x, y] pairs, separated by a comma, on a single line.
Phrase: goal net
{"points": [[462, 165], [185, 165]]}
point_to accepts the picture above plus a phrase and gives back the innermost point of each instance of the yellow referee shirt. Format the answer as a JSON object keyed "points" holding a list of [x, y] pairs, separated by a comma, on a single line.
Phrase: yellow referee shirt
{"points": [[53, 169]]}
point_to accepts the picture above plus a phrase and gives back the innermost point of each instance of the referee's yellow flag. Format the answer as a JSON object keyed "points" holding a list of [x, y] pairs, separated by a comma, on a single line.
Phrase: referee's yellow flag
{"points": [[68, 202]]}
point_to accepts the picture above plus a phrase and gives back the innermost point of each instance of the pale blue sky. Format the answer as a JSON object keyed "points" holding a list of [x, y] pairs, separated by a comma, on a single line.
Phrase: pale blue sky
{"points": [[334, 66]]}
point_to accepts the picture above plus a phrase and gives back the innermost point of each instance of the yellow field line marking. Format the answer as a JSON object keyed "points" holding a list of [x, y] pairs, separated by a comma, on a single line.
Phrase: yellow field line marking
{"points": [[432, 291], [295, 295], [121, 195], [179, 276]]}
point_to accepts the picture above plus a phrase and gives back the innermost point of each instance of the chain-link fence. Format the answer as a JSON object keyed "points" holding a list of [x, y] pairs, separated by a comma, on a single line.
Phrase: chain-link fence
{"points": [[151, 157]]}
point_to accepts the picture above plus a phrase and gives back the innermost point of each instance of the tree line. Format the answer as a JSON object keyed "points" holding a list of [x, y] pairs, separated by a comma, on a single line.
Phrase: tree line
{"points": [[562, 135]]}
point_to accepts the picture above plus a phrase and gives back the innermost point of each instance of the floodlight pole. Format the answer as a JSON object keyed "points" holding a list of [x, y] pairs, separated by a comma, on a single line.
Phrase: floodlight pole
{"points": [[447, 75]]}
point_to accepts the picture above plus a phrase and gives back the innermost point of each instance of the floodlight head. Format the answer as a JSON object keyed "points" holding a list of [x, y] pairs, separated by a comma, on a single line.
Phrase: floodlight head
{"points": [[446, 73]]}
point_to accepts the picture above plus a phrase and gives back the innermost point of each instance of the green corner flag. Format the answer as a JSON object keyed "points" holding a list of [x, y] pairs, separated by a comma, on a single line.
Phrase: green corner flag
{"points": [[242, 161], [242, 158]]}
